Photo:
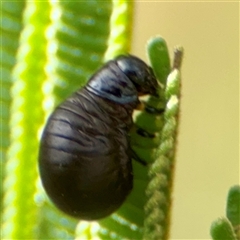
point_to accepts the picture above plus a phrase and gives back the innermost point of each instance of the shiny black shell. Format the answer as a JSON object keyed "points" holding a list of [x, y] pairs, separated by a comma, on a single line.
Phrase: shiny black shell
{"points": [[85, 155]]}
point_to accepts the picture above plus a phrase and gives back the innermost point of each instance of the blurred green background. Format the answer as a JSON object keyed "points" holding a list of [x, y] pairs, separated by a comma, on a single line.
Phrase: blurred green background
{"points": [[207, 156]]}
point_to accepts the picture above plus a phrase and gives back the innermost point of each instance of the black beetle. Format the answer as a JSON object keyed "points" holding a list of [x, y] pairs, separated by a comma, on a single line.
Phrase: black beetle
{"points": [[85, 154]]}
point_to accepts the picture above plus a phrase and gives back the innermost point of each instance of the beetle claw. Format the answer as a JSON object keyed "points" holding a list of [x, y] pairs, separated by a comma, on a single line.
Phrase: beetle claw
{"points": [[137, 158]]}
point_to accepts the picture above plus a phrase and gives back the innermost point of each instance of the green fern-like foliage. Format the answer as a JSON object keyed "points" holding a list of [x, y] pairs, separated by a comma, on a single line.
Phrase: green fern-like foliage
{"points": [[229, 227], [25, 118], [50, 49], [161, 170], [11, 26]]}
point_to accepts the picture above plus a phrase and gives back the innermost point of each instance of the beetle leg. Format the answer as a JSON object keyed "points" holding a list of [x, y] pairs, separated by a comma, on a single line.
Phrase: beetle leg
{"points": [[149, 109], [140, 106], [137, 158], [153, 110], [144, 133]]}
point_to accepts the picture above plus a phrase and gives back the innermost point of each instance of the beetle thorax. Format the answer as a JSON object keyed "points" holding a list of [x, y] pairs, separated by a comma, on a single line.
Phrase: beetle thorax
{"points": [[112, 84]]}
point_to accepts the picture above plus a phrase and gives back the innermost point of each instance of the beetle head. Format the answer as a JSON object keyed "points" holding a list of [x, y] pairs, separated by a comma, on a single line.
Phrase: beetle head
{"points": [[123, 79], [139, 73]]}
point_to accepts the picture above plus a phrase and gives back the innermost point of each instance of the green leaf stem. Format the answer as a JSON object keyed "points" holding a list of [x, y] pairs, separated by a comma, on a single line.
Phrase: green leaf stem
{"points": [[161, 170]]}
